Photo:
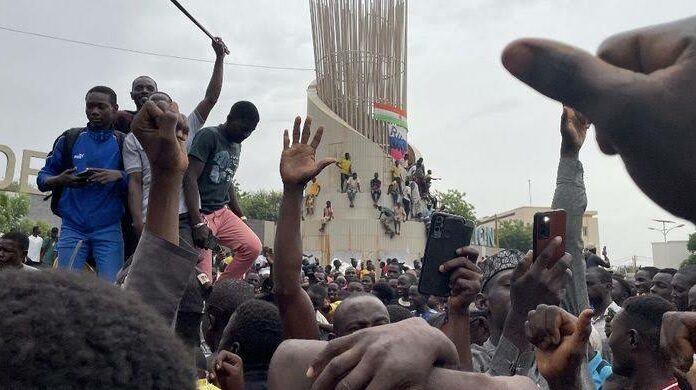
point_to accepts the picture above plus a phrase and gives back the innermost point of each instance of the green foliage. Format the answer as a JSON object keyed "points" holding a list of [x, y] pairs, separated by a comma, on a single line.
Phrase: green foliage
{"points": [[515, 234], [263, 204], [455, 203], [690, 261], [691, 246], [13, 212]]}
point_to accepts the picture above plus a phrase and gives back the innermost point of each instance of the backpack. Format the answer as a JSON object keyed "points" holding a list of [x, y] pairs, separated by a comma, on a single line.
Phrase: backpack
{"points": [[67, 162]]}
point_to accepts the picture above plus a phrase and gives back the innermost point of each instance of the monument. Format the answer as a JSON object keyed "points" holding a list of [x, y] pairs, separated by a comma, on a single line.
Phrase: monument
{"points": [[359, 97]]}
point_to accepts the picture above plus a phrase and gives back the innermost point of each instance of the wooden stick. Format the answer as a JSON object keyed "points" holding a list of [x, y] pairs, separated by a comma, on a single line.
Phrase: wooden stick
{"points": [[182, 9]]}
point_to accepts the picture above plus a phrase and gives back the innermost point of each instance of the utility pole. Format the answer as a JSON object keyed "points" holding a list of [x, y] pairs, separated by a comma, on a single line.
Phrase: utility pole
{"points": [[530, 191], [665, 230]]}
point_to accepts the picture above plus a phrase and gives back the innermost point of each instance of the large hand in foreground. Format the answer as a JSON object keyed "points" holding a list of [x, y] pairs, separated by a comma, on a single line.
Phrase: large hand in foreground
{"points": [[383, 357], [639, 94], [162, 132], [561, 341], [678, 337], [298, 163]]}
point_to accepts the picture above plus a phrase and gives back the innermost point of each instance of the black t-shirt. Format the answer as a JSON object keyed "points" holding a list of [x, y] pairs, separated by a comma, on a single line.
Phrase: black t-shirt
{"points": [[592, 260]]}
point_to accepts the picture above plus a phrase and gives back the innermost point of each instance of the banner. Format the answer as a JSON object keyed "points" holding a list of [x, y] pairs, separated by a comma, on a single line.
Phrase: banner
{"points": [[397, 129], [398, 146]]}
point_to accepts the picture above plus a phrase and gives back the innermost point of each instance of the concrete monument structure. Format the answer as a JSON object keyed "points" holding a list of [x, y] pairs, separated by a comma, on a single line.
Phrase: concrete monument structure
{"points": [[360, 56]]}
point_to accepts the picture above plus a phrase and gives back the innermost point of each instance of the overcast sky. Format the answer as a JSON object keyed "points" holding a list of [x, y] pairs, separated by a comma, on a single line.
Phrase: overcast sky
{"points": [[484, 132]]}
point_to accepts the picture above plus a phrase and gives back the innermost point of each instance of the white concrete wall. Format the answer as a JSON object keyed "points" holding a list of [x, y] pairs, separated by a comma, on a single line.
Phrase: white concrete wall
{"points": [[355, 232], [669, 254]]}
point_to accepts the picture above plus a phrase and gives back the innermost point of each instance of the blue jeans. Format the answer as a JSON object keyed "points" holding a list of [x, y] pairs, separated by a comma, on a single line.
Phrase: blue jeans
{"points": [[105, 244]]}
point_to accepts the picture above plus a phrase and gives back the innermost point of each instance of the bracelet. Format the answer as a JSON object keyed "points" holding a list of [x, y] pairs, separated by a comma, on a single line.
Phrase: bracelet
{"points": [[199, 224]]}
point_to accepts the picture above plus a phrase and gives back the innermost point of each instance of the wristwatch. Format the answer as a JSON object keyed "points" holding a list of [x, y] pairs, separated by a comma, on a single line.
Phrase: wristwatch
{"points": [[243, 218], [199, 224]]}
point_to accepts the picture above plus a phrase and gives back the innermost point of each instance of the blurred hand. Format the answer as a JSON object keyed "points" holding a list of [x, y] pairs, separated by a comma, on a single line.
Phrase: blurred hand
{"points": [[540, 281], [200, 236], [220, 48], [573, 132], [162, 132], [68, 179], [399, 355], [465, 280], [561, 341], [298, 163], [229, 371], [678, 337], [639, 94], [105, 176]]}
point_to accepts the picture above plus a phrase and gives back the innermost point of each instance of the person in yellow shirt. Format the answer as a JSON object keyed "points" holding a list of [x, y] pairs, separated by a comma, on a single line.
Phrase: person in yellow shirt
{"points": [[345, 166], [396, 170], [313, 190]]}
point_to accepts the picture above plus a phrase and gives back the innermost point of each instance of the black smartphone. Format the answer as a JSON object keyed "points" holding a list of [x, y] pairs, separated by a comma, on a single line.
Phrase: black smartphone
{"points": [[547, 226], [86, 174], [447, 233]]}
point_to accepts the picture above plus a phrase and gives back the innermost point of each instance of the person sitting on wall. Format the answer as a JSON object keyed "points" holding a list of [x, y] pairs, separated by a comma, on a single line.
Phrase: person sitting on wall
{"points": [[328, 216], [375, 189], [387, 217]]}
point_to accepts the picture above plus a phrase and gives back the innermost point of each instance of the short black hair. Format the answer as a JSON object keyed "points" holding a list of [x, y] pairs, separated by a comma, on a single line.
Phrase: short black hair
{"points": [[105, 90], [398, 313], [604, 275], [19, 238], [225, 298], [163, 93], [318, 290], [384, 292], [412, 278], [256, 326], [690, 272], [650, 270], [143, 77], [625, 284], [645, 315], [54, 230], [80, 332], [245, 111], [670, 271]]}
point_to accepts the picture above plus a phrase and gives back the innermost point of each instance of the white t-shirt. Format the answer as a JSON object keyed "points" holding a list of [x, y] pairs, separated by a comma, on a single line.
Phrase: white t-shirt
{"points": [[34, 253], [352, 184], [135, 159]]}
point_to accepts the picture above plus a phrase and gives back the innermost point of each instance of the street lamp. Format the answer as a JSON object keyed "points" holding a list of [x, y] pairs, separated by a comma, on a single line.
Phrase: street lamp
{"points": [[665, 230]]}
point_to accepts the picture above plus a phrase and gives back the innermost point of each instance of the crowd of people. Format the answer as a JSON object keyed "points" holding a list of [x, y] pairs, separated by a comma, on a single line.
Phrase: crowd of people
{"points": [[285, 322]]}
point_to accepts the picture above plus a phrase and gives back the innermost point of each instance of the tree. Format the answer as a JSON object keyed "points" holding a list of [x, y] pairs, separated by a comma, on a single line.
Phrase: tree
{"points": [[455, 203], [691, 246], [13, 212], [263, 204], [689, 261], [515, 234]]}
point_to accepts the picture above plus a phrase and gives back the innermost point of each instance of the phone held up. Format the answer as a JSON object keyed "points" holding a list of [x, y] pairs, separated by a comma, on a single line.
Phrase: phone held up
{"points": [[547, 225], [447, 233]]}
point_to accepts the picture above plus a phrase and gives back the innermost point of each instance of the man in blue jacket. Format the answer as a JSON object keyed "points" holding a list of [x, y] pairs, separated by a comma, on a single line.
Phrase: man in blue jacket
{"points": [[91, 189]]}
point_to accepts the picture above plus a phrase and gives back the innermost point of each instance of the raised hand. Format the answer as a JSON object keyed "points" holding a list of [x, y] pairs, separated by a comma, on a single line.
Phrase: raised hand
{"points": [[540, 281], [465, 280], [229, 371], [561, 342], [678, 337], [220, 47], [639, 94], [574, 127], [298, 163], [162, 132]]}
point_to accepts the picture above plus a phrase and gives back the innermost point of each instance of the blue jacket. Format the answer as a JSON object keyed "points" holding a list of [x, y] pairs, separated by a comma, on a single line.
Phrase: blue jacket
{"points": [[94, 205]]}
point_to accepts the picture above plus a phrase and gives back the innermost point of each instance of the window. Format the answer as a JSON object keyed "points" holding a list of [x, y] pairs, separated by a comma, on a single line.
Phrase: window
{"points": [[584, 231]]}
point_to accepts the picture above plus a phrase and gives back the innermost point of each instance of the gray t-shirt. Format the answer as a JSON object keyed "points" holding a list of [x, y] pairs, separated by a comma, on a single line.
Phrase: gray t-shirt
{"points": [[135, 159], [221, 159]]}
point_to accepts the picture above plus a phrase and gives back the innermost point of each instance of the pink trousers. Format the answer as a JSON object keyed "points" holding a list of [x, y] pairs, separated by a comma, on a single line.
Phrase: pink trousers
{"points": [[233, 233]]}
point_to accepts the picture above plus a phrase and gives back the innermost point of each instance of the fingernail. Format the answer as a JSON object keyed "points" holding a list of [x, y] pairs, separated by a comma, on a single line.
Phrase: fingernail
{"points": [[442, 268], [460, 251], [310, 372]]}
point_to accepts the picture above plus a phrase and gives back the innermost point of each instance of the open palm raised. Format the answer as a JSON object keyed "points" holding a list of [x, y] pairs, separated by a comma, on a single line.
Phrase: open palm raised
{"points": [[298, 163]]}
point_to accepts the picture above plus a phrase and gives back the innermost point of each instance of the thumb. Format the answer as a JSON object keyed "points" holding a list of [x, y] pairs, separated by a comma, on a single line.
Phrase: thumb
{"points": [[71, 170], [323, 164], [583, 327], [570, 75]]}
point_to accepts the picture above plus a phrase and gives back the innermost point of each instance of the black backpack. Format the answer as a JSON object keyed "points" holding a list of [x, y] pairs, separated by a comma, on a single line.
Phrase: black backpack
{"points": [[67, 162]]}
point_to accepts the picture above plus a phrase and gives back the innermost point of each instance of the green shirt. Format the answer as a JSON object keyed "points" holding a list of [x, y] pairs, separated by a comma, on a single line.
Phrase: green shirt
{"points": [[50, 252], [221, 159]]}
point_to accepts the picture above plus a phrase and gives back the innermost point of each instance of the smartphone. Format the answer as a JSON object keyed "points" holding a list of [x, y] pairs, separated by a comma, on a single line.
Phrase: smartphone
{"points": [[447, 233], [547, 225], [86, 173]]}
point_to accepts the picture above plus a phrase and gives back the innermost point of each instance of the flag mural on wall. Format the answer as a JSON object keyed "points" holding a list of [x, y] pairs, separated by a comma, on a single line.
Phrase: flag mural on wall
{"points": [[396, 118]]}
